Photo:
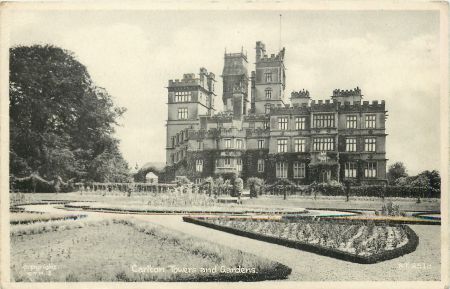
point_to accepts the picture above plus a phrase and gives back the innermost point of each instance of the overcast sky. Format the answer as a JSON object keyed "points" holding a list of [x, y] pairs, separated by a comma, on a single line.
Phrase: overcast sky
{"points": [[390, 55]]}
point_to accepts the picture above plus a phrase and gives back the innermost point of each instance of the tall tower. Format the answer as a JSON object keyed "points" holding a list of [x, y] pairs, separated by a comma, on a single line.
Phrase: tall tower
{"points": [[187, 99], [235, 84], [270, 79]]}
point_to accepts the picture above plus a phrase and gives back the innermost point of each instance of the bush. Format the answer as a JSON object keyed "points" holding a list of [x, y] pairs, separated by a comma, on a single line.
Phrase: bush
{"points": [[238, 187], [255, 185], [182, 180], [394, 191], [327, 189]]}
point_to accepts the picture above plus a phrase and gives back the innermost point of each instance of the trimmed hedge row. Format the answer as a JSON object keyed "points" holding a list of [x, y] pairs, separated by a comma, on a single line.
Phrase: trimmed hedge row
{"points": [[413, 242], [394, 191]]}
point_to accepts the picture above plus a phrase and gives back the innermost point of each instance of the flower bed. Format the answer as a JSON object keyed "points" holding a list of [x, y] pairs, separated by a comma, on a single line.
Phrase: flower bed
{"points": [[148, 209], [352, 241], [27, 217]]}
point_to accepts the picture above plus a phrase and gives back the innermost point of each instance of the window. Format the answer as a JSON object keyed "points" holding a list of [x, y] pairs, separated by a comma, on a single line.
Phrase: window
{"points": [[282, 123], [260, 143], [239, 165], [199, 145], [300, 122], [227, 162], [282, 145], [351, 121], [239, 144], [371, 170], [173, 141], [268, 93], [266, 125], [323, 120], [260, 165], [323, 144], [299, 170], [199, 166], [299, 145], [227, 143], [371, 120], [350, 144], [268, 76], [350, 170], [267, 108], [182, 113], [281, 170], [183, 96], [370, 144], [198, 181]]}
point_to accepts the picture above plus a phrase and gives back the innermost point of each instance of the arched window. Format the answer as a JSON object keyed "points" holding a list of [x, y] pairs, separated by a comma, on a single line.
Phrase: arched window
{"points": [[268, 93]]}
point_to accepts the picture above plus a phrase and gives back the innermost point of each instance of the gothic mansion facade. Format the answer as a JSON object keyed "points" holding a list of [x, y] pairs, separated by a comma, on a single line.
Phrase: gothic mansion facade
{"points": [[259, 135]]}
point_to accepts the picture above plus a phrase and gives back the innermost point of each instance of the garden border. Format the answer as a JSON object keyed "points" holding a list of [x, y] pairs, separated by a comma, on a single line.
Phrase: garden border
{"points": [[413, 242], [178, 211]]}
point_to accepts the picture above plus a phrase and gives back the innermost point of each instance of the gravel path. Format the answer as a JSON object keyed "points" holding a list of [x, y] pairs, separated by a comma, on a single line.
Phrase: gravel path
{"points": [[423, 264]]}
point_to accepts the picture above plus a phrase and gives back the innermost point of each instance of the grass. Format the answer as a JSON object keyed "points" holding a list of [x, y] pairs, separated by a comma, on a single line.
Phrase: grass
{"points": [[126, 250]]}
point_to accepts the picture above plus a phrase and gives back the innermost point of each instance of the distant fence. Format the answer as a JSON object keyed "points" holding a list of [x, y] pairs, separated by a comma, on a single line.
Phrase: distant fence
{"points": [[123, 187]]}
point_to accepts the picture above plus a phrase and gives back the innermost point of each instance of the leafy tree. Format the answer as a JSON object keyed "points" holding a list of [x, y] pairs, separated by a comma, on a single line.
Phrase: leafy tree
{"points": [[396, 171], [61, 123], [433, 179]]}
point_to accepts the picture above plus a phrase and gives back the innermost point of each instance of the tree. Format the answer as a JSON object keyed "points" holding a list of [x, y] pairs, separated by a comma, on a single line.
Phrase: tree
{"points": [[61, 123], [396, 171], [433, 179]]}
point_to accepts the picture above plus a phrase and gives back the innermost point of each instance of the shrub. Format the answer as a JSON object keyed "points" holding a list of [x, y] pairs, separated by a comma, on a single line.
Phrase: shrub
{"points": [[238, 187], [182, 180], [327, 189], [255, 185]]}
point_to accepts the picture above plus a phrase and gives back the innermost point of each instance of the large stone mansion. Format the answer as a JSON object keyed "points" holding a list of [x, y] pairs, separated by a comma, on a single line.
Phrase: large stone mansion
{"points": [[260, 134]]}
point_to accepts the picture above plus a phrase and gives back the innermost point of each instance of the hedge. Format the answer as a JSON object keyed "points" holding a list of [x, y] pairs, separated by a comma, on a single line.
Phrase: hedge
{"points": [[413, 242], [376, 191]]}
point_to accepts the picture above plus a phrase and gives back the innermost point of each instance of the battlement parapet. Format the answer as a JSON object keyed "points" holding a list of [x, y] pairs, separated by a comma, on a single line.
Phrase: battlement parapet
{"points": [[352, 92], [327, 105], [300, 94], [273, 57], [256, 117], [183, 82], [236, 55]]}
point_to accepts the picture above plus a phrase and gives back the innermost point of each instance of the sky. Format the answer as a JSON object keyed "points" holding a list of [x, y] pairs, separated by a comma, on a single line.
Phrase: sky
{"points": [[390, 55]]}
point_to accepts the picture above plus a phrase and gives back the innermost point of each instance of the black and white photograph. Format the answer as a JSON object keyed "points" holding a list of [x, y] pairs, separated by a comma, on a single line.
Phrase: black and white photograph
{"points": [[265, 144]]}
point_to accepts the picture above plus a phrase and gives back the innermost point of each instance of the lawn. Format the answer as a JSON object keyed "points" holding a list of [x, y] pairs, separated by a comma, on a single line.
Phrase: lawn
{"points": [[339, 202], [127, 250]]}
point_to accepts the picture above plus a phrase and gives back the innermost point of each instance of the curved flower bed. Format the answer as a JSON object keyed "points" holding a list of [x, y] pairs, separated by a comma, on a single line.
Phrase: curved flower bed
{"points": [[364, 243], [149, 209], [30, 217]]}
